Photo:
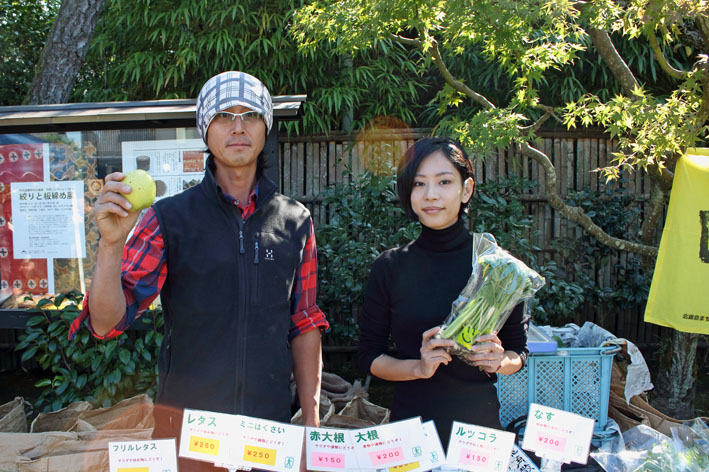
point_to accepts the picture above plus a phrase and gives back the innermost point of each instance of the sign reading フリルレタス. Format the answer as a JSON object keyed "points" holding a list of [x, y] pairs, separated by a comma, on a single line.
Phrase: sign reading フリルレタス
{"points": [[158, 455], [678, 295]]}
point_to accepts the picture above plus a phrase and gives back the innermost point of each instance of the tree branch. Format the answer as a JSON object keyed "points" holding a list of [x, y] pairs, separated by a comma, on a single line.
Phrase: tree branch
{"points": [[455, 83], [703, 112], [662, 60], [654, 209], [525, 130], [576, 214], [407, 41], [602, 41]]}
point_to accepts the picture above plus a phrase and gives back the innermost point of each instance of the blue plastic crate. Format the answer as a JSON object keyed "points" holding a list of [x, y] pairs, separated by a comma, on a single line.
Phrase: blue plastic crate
{"points": [[571, 379]]}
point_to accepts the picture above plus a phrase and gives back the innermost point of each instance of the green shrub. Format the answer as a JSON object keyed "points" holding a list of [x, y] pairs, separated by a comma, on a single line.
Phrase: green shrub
{"points": [[364, 220], [86, 368]]}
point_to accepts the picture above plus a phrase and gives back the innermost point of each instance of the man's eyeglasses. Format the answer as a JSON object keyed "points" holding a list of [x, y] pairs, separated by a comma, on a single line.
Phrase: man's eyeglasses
{"points": [[246, 117]]}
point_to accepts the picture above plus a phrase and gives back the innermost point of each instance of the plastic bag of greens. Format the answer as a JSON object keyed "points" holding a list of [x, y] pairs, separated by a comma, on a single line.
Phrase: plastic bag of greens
{"points": [[498, 283], [648, 450]]}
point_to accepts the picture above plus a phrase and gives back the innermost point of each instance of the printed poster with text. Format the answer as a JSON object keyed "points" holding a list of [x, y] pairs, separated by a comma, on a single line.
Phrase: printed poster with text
{"points": [[175, 165], [21, 163]]}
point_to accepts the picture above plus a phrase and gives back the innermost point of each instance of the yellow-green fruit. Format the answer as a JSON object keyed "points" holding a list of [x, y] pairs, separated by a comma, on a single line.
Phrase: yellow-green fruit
{"points": [[142, 184]]}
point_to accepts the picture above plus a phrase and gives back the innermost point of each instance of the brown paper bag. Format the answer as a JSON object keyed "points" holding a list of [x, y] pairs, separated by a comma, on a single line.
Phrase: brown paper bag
{"points": [[84, 452], [363, 409], [12, 443], [639, 412], [12, 416], [131, 413], [60, 420]]}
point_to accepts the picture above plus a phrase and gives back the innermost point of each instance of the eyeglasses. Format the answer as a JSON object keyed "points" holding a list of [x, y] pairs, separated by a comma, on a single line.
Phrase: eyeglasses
{"points": [[246, 117]]}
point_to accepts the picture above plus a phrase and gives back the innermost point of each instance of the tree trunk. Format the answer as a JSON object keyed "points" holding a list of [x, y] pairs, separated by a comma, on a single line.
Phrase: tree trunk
{"points": [[65, 51], [675, 387]]}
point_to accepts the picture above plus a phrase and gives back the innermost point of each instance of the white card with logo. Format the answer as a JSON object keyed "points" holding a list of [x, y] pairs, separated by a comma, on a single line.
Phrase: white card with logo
{"points": [[433, 455], [265, 445], [206, 435], [389, 445], [159, 455], [329, 449], [557, 434], [479, 449]]}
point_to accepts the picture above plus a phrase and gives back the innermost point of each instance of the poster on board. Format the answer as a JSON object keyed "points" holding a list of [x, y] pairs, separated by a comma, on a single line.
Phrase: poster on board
{"points": [[19, 163], [175, 165]]}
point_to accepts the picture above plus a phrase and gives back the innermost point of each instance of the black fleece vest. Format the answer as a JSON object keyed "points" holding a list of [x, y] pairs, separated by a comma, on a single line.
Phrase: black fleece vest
{"points": [[227, 300]]}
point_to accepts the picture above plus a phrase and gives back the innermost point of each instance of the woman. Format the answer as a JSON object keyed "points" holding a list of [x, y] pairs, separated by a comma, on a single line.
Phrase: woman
{"points": [[409, 295]]}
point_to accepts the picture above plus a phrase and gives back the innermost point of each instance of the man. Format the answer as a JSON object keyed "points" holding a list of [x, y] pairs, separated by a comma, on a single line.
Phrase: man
{"points": [[235, 264]]}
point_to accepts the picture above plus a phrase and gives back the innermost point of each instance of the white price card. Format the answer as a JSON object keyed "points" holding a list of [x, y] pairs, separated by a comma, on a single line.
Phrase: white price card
{"points": [[479, 449], [389, 445], [433, 455], [558, 434], [206, 435], [159, 455], [329, 449], [265, 445]]}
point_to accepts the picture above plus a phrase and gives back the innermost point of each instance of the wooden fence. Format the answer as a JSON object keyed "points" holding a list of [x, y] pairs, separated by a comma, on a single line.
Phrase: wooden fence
{"points": [[310, 164]]}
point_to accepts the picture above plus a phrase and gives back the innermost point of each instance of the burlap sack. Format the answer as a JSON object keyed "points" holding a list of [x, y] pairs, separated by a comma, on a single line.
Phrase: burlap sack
{"points": [[12, 416], [60, 420]]}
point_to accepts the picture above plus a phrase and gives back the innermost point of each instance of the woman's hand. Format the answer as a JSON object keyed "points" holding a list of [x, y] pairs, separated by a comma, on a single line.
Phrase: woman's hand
{"points": [[488, 353], [433, 353]]}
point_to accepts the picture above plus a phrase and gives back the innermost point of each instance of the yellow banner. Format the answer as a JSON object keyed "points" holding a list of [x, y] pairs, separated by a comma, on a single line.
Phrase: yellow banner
{"points": [[679, 294]]}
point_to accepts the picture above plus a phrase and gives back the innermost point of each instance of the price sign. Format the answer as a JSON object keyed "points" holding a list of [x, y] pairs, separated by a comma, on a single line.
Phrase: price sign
{"points": [[433, 455], [329, 449], [265, 445], [389, 445], [159, 455], [479, 449], [206, 434], [557, 434]]}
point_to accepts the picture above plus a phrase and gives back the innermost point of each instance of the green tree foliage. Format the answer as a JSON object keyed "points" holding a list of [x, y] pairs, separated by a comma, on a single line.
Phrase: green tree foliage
{"points": [[24, 26], [162, 49], [526, 45]]}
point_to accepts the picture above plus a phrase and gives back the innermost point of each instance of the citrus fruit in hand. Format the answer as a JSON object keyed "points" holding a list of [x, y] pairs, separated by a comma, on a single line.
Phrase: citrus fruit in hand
{"points": [[142, 186]]}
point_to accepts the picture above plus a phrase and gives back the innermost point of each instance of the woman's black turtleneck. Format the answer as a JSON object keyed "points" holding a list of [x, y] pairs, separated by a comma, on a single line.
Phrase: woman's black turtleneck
{"points": [[410, 290]]}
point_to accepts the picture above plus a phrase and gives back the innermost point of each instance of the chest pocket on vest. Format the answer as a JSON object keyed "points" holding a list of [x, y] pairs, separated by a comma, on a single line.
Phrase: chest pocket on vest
{"points": [[275, 261]]}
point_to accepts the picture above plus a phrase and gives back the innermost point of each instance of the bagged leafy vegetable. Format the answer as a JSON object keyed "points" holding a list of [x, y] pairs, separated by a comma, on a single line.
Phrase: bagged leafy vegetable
{"points": [[647, 450], [498, 283]]}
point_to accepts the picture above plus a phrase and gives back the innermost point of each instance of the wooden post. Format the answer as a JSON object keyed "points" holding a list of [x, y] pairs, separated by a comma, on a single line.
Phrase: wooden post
{"points": [[270, 155]]}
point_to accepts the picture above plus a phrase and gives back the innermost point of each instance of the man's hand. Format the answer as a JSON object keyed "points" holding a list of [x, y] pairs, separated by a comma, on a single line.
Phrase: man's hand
{"points": [[112, 211]]}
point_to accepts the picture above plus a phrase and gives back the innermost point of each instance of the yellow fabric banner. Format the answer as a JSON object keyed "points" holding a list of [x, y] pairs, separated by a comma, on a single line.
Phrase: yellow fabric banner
{"points": [[679, 293]]}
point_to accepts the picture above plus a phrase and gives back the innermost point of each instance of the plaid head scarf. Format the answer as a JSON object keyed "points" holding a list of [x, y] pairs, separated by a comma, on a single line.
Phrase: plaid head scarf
{"points": [[230, 89]]}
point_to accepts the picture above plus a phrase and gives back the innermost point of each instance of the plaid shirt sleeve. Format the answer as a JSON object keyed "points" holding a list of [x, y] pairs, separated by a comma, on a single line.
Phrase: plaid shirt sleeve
{"points": [[306, 314], [143, 273]]}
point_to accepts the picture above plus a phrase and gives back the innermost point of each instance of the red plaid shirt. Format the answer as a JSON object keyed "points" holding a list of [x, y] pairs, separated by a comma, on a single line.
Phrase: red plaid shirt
{"points": [[143, 273]]}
